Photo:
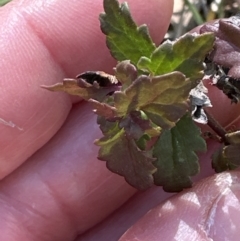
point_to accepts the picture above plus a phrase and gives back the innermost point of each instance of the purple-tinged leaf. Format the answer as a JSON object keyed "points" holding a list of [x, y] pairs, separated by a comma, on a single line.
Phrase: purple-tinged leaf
{"points": [[126, 159], [226, 48], [162, 98], [82, 88], [135, 126], [103, 109], [126, 73], [103, 79]]}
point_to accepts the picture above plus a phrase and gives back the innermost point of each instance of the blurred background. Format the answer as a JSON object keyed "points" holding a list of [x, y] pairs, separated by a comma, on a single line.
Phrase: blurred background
{"points": [[191, 13]]}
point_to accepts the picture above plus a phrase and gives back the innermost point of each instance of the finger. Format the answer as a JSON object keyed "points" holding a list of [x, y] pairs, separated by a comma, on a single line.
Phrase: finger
{"points": [[219, 99], [120, 221], [41, 43], [63, 186], [62, 190], [210, 211]]}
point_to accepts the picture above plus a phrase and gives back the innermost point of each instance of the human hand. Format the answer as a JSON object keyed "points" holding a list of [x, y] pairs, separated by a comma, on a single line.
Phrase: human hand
{"points": [[62, 191]]}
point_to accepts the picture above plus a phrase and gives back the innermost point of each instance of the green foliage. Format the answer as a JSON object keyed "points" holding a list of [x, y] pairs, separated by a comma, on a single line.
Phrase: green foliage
{"points": [[219, 162], [125, 39], [148, 134], [81, 88], [227, 156], [125, 158], [185, 55], [176, 158], [162, 98]]}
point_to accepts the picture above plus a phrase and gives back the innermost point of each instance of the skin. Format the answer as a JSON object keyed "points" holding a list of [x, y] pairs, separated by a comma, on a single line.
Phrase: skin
{"points": [[52, 187]]}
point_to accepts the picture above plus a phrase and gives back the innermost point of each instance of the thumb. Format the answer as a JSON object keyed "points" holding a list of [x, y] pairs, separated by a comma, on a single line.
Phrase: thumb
{"points": [[210, 211]]}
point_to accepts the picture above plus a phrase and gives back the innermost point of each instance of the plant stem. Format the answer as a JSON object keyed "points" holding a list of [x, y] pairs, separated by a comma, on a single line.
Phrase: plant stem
{"points": [[216, 127]]}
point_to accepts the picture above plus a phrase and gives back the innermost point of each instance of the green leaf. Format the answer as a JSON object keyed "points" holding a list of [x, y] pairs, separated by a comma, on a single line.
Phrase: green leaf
{"points": [[232, 153], [227, 157], [162, 98], [233, 137], [107, 127], [124, 39], [219, 162], [143, 142], [185, 55], [176, 158], [126, 159]]}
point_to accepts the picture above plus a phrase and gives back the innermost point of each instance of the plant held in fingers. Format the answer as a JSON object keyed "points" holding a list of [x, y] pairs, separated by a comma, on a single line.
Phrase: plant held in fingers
{"points": [[147, 110]]}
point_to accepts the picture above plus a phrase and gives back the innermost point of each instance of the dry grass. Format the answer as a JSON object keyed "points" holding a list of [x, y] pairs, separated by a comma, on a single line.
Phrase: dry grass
{"points": [[191, 13]]}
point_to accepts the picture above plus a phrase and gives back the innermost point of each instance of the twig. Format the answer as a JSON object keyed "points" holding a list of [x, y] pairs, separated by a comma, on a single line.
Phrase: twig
{"points": [[216, 127]]}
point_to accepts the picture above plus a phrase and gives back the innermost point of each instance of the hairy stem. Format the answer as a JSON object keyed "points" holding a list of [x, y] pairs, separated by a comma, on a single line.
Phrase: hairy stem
{"points": [[216, 127]]}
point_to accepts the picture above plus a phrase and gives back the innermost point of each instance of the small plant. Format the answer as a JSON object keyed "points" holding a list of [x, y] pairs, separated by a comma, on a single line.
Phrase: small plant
{"points": [[148, 109]]}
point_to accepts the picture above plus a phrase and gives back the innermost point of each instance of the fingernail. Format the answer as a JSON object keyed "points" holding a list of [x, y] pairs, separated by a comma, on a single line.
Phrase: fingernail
{"points": [[224, 216]]}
